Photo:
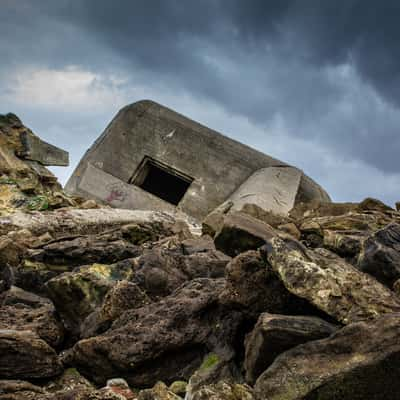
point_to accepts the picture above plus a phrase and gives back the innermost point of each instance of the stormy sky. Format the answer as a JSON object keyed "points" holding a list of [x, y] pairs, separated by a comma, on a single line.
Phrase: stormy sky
{"points": [[315, 83]]}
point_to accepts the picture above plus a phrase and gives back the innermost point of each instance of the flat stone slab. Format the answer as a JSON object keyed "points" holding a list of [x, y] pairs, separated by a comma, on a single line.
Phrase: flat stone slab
{"points": [[38, 150]]}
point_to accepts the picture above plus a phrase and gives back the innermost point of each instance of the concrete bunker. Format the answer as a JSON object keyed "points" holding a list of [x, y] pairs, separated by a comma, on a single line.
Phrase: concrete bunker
{"points": [[161, 180], [153, 158]]}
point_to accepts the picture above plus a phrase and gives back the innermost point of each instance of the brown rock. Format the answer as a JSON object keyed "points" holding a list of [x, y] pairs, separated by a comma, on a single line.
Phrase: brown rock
{"points": [[358, 362], [23, 355], [240, 233], [161, 341], [253, 287], [274, 334], [224, 391], [380, 255], [20, 310]]}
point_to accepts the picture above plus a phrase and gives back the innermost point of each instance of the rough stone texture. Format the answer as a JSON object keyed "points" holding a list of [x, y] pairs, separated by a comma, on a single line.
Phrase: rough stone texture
{"points": [[241, 232], [104, 248], [20, 310], [396, 287], [147, 129], [123, 296], [159, 391], [252, 287], [159, 271], [358, 362], [78, 293], [274, 334], [328, 282], [19, 390], [380, 255], [23, 355], [161, 341], [82, 222], [224, 391]]}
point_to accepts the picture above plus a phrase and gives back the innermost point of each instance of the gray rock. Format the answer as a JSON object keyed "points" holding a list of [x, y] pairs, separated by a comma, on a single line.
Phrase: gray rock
{"points": [[380, 255], [358, 362], [274, 334], [328, 282]]}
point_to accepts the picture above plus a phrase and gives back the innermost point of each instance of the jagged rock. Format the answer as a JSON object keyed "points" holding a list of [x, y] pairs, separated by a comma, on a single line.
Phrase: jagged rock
{"points": [[396, 287], [159, 391], [360, 361], [241, 232], [23, 355], [380, 254], [20, 390], [274, 334], [20, 310], [329, 282], [164, 341], [69, 222], [253, 287], [123, 296], [159, 271], [104, 248], [316, 208], [224, 391], [78, 293], [212, 370], [178, 388], [291, 229]]}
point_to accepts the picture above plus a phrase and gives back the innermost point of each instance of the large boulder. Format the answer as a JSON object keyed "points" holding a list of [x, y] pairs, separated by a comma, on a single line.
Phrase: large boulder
{"points": [[328, 282], [274, 334], [78, 293], [241, 232], [159, 271], [253, 287], [358, 362], [380, 254], [20, 310], [23, 355], [164, 341]]}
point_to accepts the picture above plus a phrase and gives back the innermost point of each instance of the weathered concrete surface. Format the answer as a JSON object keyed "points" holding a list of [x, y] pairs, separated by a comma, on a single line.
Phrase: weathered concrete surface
{"points": [[272, 189], [217, 164], [36, 149]]}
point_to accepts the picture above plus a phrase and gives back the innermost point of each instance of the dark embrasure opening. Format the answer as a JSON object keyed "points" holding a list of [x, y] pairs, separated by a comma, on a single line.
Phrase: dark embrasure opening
{"points": [[162, 181]]}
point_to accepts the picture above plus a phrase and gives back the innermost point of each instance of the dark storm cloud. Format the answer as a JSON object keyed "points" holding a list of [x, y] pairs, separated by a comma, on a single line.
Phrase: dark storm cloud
{"points": [[260, 59]]}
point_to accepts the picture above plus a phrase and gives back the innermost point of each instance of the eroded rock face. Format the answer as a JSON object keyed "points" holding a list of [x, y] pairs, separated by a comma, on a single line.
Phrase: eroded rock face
{"points": [[224, 391], [328, 282], [78, 293], [360, 361], [164, 341], [20, 310], [23, 355], [380, 254], [253, 287], [274, 334]]}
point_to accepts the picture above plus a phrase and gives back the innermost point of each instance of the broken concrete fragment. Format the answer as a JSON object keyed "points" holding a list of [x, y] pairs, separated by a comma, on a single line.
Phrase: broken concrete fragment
{"points": [[38, 150]]}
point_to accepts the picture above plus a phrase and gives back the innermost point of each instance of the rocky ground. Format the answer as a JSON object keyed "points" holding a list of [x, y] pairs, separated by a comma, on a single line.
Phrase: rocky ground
{"points": [[98, 303]]}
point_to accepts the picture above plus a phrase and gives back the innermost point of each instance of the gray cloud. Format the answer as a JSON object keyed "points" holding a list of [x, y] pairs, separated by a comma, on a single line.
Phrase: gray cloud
{"points": [[324, 73]]}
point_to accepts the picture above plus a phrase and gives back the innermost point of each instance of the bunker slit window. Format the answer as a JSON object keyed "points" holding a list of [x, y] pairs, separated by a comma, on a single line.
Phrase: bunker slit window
{"points": [[161, 180]]}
